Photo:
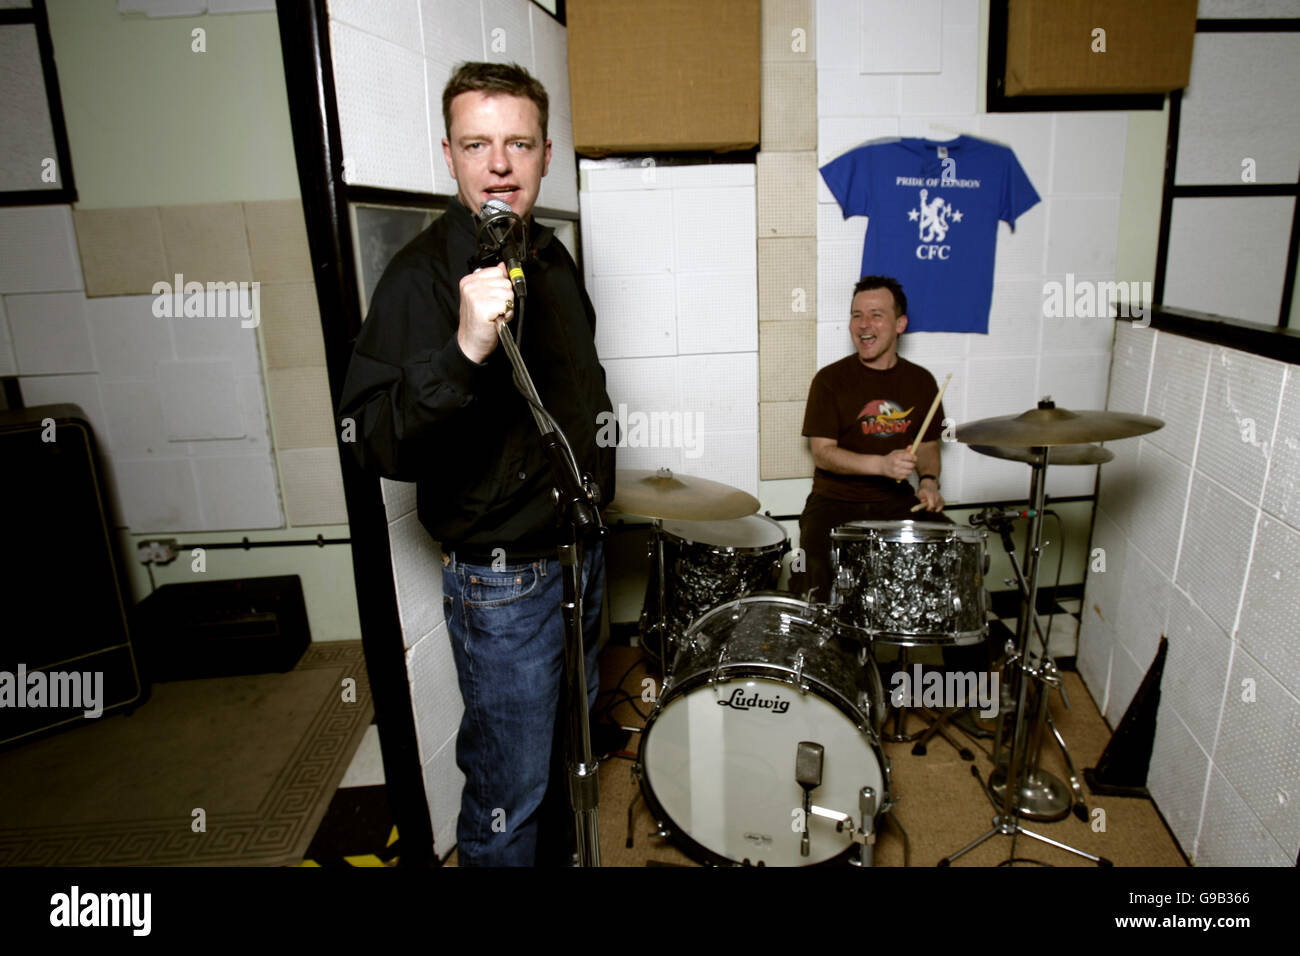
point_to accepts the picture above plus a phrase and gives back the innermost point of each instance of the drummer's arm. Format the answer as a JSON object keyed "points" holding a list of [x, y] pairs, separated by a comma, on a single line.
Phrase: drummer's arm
{"points": [[927, 463], [829, 456]]}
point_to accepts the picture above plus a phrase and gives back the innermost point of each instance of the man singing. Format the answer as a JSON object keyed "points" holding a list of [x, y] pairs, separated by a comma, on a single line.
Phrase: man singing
{"points": [[433, 401], [862, 416]]}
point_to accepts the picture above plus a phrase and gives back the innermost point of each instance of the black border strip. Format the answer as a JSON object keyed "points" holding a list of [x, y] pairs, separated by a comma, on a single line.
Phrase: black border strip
{"points": [[66, 193], [1282, 345], [1167, 194], [1249, 25], [1236, 191], [996, 100], [313, 113]]}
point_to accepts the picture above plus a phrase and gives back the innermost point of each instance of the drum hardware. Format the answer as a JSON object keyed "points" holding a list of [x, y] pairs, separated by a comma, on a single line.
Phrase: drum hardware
{"points": [[913, 584], [697, 565], [1040, 429], [798, 677], [710, 775], [661, 494], [808, 774]]}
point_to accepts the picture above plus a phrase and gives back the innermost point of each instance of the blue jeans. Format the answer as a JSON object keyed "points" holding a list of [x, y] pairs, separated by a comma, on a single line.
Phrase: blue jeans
{"points": [[507, 636]]}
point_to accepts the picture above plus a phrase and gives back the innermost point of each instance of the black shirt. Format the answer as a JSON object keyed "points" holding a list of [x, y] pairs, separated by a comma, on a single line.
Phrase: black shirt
{"points": [[424, 412]]}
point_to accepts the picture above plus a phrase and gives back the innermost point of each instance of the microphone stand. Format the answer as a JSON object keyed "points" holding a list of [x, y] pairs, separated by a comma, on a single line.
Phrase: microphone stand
{"points": [[575, 507]]}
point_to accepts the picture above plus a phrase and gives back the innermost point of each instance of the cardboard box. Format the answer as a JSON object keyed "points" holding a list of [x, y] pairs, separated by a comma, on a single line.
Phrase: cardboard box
{"points": [[663, 75], [1053, 46]]}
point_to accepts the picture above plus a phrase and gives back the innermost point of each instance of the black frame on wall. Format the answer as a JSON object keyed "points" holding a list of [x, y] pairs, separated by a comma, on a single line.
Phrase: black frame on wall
{"points": [[1174, 191], [66, 191]]}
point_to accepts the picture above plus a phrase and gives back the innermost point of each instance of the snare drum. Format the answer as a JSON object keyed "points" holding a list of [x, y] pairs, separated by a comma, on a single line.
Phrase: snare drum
{"points": [[709, 562], [910, 583], [756, 676]]}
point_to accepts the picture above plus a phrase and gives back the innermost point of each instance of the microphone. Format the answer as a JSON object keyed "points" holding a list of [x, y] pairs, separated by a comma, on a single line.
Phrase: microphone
{"points": [[505, 233], [990, 516]]}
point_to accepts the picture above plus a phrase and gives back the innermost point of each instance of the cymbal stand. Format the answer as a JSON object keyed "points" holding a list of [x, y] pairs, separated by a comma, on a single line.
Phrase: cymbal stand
{"points": [[1022, 780]]}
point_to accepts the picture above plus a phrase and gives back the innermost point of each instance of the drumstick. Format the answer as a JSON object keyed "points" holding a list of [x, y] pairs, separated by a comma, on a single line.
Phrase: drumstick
{"points": [[928, 416]]}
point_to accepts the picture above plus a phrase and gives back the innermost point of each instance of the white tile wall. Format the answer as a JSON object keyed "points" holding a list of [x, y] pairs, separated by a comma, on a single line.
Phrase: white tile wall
{"points": [[399, 497], [1270, 613], [1241, 408], [508, 32], [397, 21], [1176, 394], [1205, 564], [672, 262], [38, 250], [237, 493], [417, 571], [200, 401], [129, 341], [1217, 543], [436, 697], [1257, 750], [1176, 776], [1163, 486], [1231, 835], [1196, 671], [1242, 272], [49, 333], [443, 783]]}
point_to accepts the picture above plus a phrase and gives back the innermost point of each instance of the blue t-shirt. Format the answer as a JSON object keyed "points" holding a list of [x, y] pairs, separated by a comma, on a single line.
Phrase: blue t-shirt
{"points": [[934, 211]]}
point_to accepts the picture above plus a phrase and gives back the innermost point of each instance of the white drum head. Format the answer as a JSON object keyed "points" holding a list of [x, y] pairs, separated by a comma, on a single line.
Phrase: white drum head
{"points": [[751, 531], [720, 762]]}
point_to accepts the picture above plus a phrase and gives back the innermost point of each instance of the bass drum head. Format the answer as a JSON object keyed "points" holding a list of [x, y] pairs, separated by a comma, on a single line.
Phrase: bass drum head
{"points": [[747, 533], [718, 767]]}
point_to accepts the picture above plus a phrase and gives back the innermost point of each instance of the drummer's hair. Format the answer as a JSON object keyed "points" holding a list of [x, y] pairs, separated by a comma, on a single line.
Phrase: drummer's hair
{"points": [[867, 283]]}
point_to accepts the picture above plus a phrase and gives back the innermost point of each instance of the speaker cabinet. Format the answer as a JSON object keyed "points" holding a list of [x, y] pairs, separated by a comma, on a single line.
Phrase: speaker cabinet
{"points": [[65, 645]]}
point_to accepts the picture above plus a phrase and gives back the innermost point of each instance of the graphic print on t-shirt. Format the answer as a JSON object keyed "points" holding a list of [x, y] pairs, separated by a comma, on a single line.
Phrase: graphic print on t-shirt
{"points": [[883, 418], [932, 221]]}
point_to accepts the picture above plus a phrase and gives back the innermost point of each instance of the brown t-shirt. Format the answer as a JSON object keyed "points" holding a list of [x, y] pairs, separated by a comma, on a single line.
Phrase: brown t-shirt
{"points": [[870, 412]]}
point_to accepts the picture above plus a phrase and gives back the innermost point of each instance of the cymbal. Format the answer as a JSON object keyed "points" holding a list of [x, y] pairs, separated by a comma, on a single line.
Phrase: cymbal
{"points": [[662, 494], [1055, 426], [1061, 454]]}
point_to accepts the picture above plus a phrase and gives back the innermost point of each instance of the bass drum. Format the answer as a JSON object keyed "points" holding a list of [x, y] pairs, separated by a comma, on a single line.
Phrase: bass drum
{"points": [[757, 676]]}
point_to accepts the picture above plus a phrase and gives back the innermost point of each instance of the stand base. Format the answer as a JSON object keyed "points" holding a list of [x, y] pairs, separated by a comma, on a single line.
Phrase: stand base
{"points": [[1004, 825], [1043, 797]]}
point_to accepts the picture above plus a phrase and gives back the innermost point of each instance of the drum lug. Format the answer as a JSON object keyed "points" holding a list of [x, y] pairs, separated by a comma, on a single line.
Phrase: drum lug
{"points": [[798, 673], [844, 581]]}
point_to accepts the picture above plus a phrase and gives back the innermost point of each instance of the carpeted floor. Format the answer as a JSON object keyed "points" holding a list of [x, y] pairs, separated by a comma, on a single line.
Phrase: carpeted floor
{"points": [[259, 755]]}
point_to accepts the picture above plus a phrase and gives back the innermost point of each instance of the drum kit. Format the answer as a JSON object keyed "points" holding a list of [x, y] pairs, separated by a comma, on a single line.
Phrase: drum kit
{"points": [[764, 744]]}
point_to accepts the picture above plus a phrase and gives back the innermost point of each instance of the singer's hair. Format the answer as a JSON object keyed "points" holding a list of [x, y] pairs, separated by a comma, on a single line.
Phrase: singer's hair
{"points": [[509, 79], [867, 283]]}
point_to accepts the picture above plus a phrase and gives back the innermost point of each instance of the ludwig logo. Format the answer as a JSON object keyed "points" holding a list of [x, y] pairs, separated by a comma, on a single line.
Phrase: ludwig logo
{"points": [[738, 701]]}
